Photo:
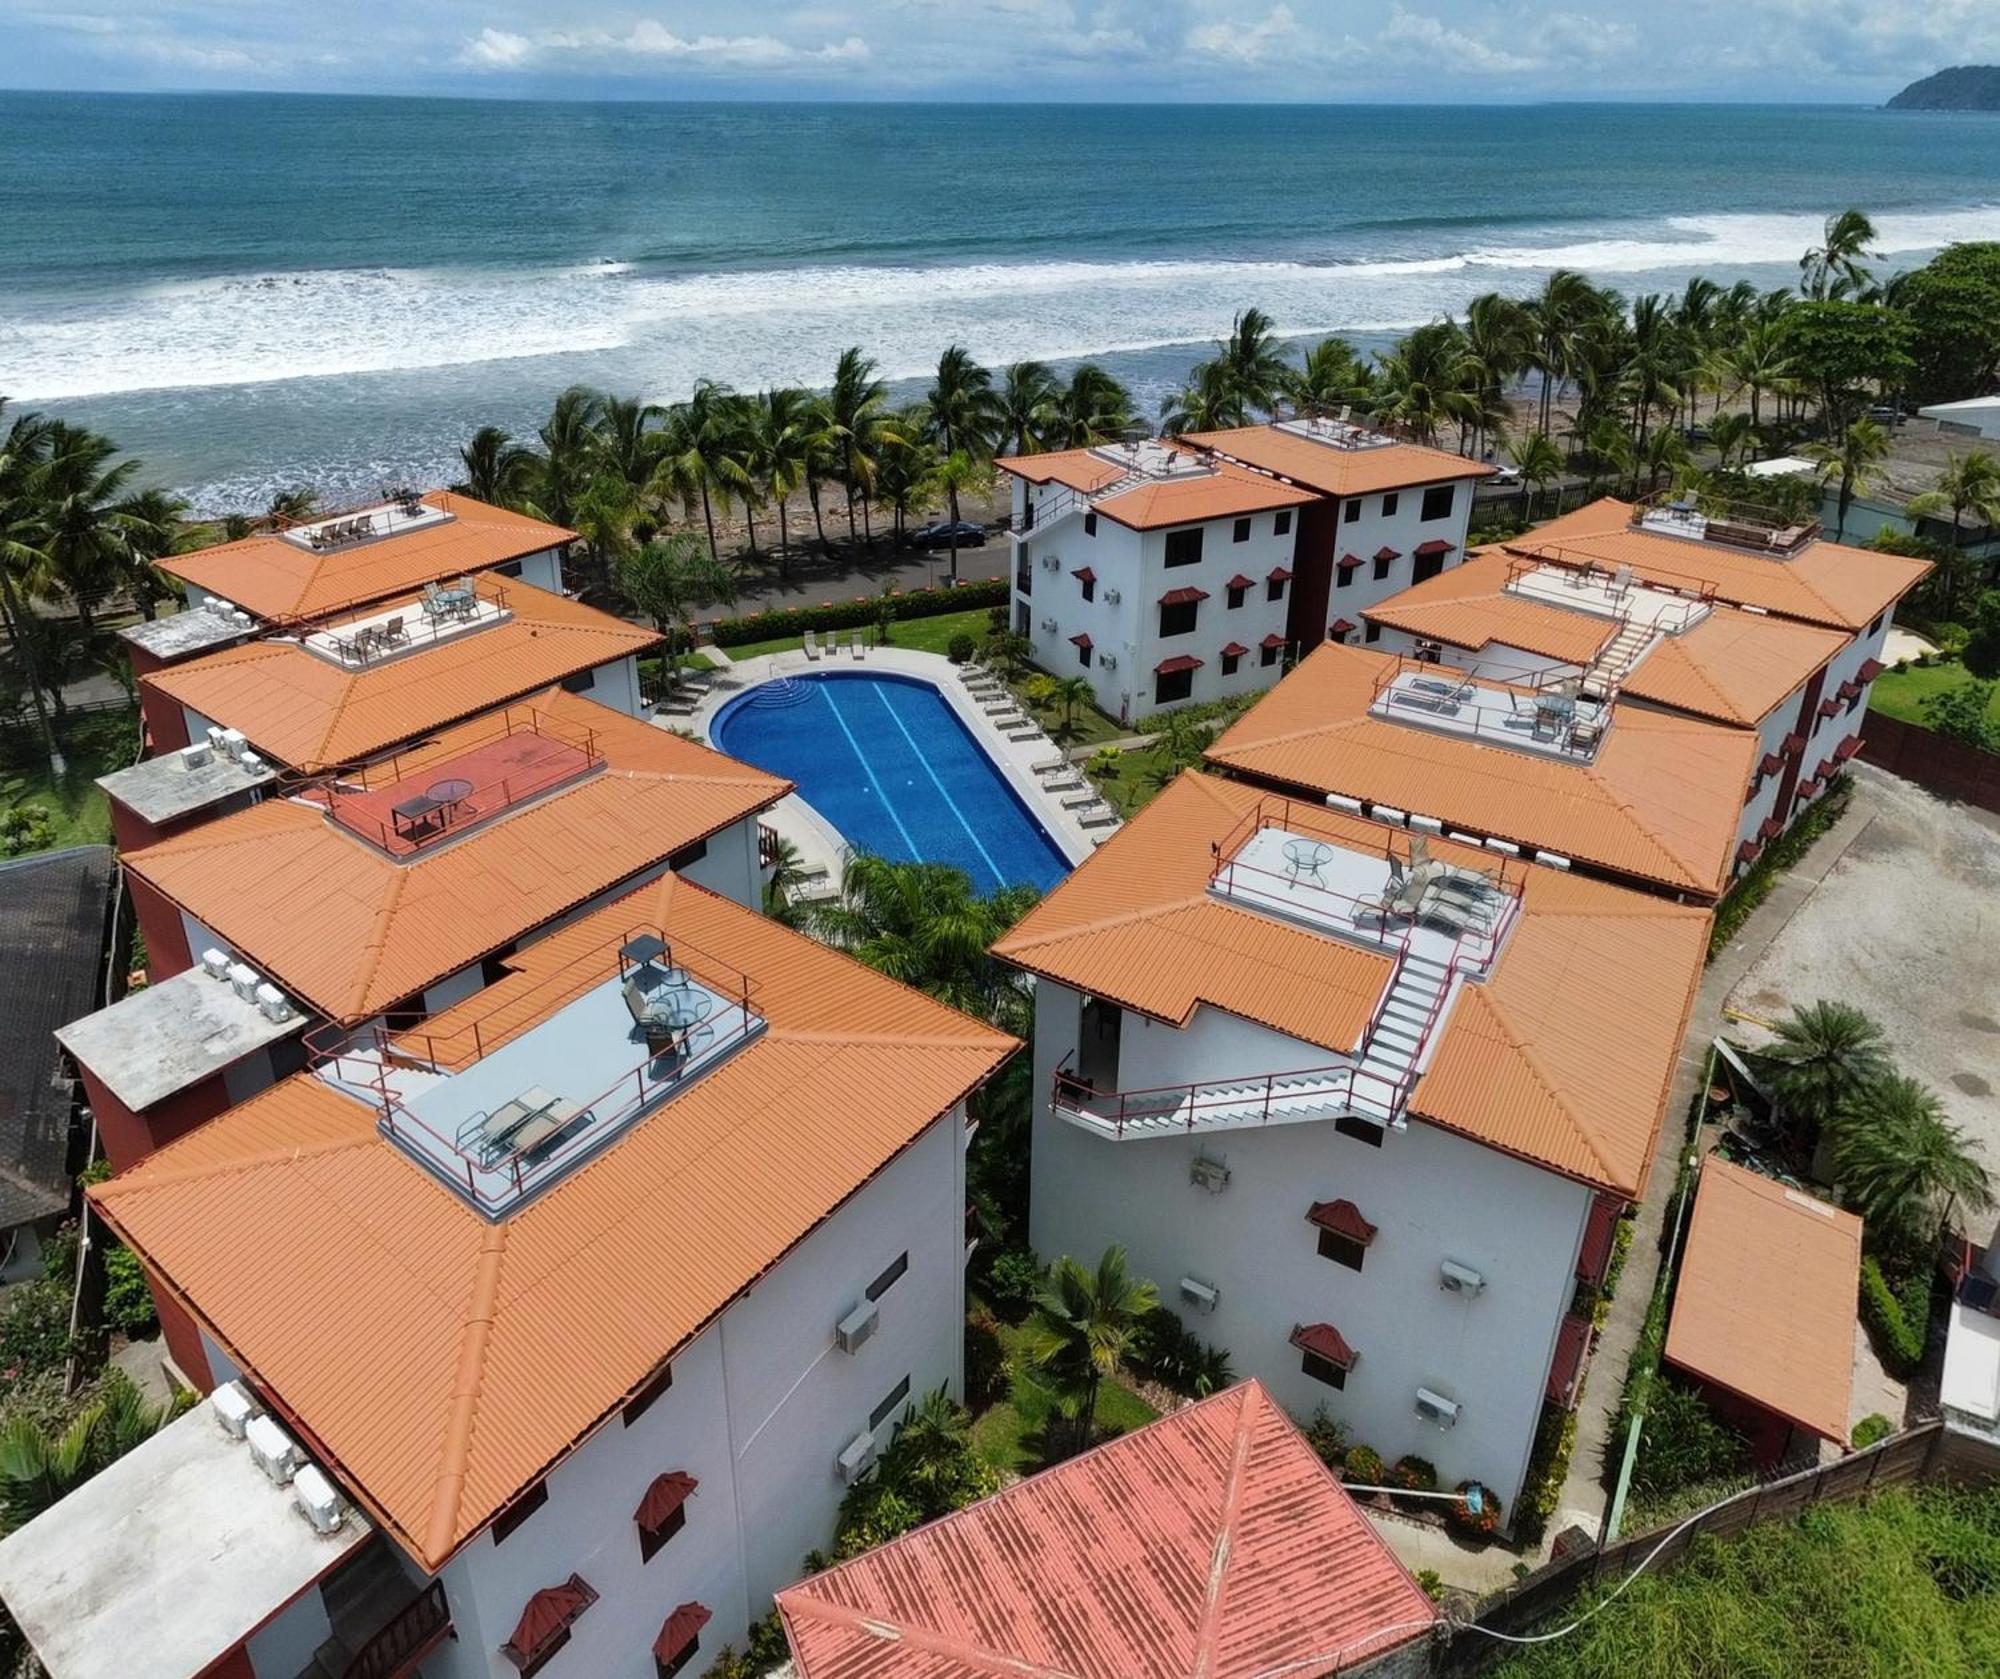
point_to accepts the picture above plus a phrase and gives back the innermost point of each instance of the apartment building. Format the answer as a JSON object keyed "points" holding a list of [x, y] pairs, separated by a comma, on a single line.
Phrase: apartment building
{"points": [[1364, 1102], [572, 1309], [1194, 569]]}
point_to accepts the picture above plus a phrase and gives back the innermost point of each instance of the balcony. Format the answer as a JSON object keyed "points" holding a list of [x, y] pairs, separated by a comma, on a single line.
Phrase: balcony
{"points": [[1343, 1091]]}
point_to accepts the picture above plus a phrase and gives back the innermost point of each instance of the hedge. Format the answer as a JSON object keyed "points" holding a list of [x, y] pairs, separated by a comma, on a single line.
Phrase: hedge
{"points": [[856, 613], [1898, 1319], [1786, 850]]}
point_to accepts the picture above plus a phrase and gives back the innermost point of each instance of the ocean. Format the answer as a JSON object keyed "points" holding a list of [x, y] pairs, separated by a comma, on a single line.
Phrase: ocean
{"points": [[254, 292]]}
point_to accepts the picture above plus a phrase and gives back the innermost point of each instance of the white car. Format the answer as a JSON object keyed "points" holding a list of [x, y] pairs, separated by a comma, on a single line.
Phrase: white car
{"points": [[1506, 475]]}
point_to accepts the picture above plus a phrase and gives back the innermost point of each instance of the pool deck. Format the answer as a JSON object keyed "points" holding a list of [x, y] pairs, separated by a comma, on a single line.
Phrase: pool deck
{"points": [[820, 844]]}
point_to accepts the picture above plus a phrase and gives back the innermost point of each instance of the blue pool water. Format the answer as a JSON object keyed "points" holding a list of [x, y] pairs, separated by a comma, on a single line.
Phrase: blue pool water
{"points": [[886, 760]]}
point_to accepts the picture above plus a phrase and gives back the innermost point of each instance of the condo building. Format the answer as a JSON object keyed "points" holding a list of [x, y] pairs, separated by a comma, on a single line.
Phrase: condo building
{"points": [[1196, 568]]}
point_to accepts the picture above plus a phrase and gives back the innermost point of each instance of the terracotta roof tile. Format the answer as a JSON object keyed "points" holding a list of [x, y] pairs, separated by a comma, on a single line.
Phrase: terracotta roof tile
{"points": [[307, 713], [422, 1368], [1563, 1056], [1183, 499], [1660, 802], [1336, 472], [1211, 1544], [1765, 1302], [276, 579], [337, 922]]}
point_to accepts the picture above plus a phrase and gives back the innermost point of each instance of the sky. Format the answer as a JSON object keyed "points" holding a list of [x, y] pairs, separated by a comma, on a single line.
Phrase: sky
{"points": [[1341, 51]]}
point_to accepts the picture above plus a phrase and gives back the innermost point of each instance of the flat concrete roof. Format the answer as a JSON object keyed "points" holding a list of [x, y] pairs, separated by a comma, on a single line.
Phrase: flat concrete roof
{"points": [[185, 634], [163, 789], [164, 1561], [157, 1042], [1970, 1385]]}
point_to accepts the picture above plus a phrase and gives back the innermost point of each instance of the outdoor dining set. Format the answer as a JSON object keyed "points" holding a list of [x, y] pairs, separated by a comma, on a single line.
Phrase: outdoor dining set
{"points": [[1428, 890], [667, 1007]]}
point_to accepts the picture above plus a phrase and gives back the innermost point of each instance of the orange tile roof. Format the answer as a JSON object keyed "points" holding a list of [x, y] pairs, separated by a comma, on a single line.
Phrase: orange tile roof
{"points": [[1765, 1302], [1661, 801], [1734, 666], [1336, 472], [417, 1345], [275, 579], [1183, 500], [1824, 583], [338, 923], [1212, 1544], [1563, 1056], [307, 713], [1080, 469]]}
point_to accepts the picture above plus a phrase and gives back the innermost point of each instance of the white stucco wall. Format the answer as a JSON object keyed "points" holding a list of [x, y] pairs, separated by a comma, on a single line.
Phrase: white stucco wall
{"points": [[730, 866]]}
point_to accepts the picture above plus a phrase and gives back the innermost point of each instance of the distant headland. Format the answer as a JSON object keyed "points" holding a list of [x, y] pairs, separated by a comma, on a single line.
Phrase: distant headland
{"points": [[1964, 87]]}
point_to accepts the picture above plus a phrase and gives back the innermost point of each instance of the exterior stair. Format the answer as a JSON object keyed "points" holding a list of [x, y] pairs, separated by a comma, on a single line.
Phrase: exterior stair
{"points": [[1612, 665], [1396, 1037]]}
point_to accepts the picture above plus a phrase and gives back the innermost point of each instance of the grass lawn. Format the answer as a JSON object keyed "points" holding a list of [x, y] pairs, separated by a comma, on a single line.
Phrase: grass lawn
{"points": [[922, 635], [94, 744], [1901, 693], [1009, 1435], [1137, 781]]}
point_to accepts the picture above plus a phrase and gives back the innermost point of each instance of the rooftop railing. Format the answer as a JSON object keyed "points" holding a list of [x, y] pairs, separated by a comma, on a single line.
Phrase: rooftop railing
{"points": [[1227, 1104], [1672, 612], [388, 633], [1763, 530], [1545, 713]]}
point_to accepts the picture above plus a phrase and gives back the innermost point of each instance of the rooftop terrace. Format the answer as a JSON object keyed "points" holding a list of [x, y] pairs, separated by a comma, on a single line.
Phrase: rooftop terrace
{"points": [[394, 517], [1334, 433], [1756, 529], [1556, 720], [443, 613]]}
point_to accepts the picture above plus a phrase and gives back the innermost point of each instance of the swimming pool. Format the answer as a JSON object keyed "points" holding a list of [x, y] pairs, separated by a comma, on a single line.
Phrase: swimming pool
{"points": [[887, 761]]}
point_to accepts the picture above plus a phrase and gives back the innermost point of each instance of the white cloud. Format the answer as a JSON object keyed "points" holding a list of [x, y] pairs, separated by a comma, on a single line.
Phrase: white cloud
{"points": [[651, 41], [497, 49], [1448, 49], [1248, 43]]}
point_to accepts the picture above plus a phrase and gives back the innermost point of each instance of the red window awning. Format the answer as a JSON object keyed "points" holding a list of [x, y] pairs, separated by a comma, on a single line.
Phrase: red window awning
{"points": [[548, 1614], [1081, 641], [1183, 597], [1347, 562], [1387, 553], [1436, 545], [679, 1630], [1771, 829], [1847, 690], [666, 1495], [1322, 1340], [1235, 650], [1826, 768], [1239, 581], [1870, 669], [1343, 1218], [1828, 706], [1806, 790], [1771, 765], [1747, 852], [1279, 574], [1793, 745], [1594, 1257], [1342, 626], [1180, 661], [1847, 748], [1083, 574], [1572, 1342], [1272, 640]]}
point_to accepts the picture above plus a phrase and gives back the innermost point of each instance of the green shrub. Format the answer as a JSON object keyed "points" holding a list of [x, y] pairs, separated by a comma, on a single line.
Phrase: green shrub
{"points": [[1781, 854], [872, 1513], [960, 648], [1105, 761], [1326, 1436], [128, 1300], [1431, 1583], [34, 1329], [1872, 1428], [729, 1665], [767, 1649], [25, 828], [1012, 1282], [1364, 1466], [985, 1362], [1897, 1318], [1165, 1351], [1683, 1442], [1548, 1469], [858, 613], [1476, 1524], [1413, 1474]]}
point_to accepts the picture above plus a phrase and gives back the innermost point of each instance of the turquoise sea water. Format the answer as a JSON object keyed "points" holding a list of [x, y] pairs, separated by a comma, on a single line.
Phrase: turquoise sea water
{"points": [[253, 291]]}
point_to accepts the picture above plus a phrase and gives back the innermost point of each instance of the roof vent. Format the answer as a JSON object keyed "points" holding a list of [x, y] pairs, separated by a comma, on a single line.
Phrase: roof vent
{"points": [[274, 1451], [244, 980], [234, 1408], [193, 757], [313, 1493], [215, 963], [271, 1003]]}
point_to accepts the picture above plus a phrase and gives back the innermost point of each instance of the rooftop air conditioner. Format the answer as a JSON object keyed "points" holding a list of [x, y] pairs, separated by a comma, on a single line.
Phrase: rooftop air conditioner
{"points": [[272, 1449], [193, 757], [251, 762], [855, 1329], [271, 1003], [313, 1493], [1435, 1408], [1112, 597], [234, 742], [215, 734], [244, 980], [1108, 660], [1460, 1279], [215, 963], [1209, 1174], [855, 1457], [234, 1408], [1199, 1294]]}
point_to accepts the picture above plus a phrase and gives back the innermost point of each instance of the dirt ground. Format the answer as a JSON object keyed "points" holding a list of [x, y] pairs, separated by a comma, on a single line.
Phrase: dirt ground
{"points": [[1906, 927]]}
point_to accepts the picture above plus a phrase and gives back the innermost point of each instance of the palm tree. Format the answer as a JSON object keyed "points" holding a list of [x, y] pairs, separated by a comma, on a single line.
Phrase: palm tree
{"points": [[1178, 744], [1027, 407], [1209, 401], [23, 449], [1418, 385], [1733, 436], [965, 411], [788, 871], [1553, 317], [1540, 464], [1495, 337], [923, 924], [1900, 1162], [1083, 1327], [567, 463], [152, 525], [1761, 360], [1653, 370], [956, 473], [1092, 408], [1855, 460], [788, 434], [80, 529], [928, 1452], [906, 473], [1825, 1054], [38, 1471], [291, 507], [669, 580], [1253, 366], [1968, 489], [1832, 268], [1069, 694], [692, 444], [1333, 378], [628, 440], [855, 409], [497, 469]]}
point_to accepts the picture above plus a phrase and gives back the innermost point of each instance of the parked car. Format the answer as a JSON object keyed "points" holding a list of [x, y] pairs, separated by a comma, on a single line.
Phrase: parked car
{"points": [[945, 534], [1505, 475]]}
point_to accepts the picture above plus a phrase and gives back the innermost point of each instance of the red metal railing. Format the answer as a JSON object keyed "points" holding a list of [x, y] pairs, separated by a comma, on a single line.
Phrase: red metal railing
{"points": [[415, 1630], [1149, 1106]]}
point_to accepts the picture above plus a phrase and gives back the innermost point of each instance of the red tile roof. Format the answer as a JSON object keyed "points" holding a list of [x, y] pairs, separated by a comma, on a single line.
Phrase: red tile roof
{"points": [[1212, 1544], [1332, 471]]}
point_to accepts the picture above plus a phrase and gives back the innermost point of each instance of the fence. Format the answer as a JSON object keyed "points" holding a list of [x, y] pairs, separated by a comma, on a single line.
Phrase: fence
{"points": [[1952, 769], [1929, 1452]]}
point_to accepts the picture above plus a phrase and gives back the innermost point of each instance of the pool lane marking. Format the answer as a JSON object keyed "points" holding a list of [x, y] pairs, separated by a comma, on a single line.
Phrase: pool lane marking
{"points": [[895, 717], [866, 769]]}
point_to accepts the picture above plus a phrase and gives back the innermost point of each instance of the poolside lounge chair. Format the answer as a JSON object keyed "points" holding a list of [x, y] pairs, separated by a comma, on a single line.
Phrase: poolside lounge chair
{"points": [[858, 646], [1048, 766], [1079, 800], [1103, 816], [1063, 783], [811, 645]]}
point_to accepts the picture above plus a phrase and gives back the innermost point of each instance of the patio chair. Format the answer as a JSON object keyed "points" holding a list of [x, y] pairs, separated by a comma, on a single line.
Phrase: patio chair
{"points": [[393, 631], [649, 1015], [433, 601]]}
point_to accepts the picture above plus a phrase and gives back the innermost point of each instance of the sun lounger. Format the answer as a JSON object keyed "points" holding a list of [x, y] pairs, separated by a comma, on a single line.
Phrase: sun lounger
{"points": [[810, 644], [1064, 783], [1078, 800], [1048, 766], [547, 1126], [1102, 817]]}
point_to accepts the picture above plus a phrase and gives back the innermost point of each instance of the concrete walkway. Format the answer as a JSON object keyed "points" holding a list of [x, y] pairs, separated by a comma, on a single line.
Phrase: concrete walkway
{"points": [[1585, 1496]]}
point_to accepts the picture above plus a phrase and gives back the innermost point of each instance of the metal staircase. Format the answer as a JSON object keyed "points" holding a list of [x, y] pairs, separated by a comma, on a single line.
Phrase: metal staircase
{"points": [[1606, 673], [1410, 1008]]}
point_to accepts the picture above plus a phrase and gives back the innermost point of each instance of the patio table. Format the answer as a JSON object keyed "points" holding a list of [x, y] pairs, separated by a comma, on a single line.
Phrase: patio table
{"points": [[1305, 858]]}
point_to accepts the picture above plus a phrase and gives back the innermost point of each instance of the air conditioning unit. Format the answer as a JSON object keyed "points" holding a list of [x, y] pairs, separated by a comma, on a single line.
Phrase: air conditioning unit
{"points": [[272, 1449], [1199, 1294], [234, 1408], [1460, 1279], [251, 762], [271, 1003], [234, 743], [215, 734], [193, 757], [856, 1457], [1112, 597], [1051, 562], [1108, 660], [1209, 1174], [244, 980], [313, 1493], [1435, 1408], [855, 1329], [215, 963], [1049, 626]]}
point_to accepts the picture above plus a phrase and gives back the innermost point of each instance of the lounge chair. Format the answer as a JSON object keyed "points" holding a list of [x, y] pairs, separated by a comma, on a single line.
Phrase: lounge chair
{"points": [[1049, 766], [649, 1015], [811, 644], [856, 644], [1079, 800], [1063, 783], [1103, 816]]}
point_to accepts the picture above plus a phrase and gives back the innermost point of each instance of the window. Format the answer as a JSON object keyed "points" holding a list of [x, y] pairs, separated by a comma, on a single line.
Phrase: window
{"points": [[1229, 663], [1236, 594], [1389, 505], [1281, 523], [511, 569], [1875, 628], [664, 1668], [1344, 575], [652, 1538], [679, 1639], [1437, 502], [1359, 1129], [1177, 617], [1241, 533], [581, 683], [1267, 655], [688, 855], [1372, 634], [1184, 547], [1082, 650], [887, 1409], [891, 1275], [1274, 587], [1090, 524], [1383, 562], [1426, 566], [637, 1405], [1088, 584], [510, 1519], [1323, 1370], [1171, 685], [544, 1626], [1342, 1250], [1351, 512]]}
